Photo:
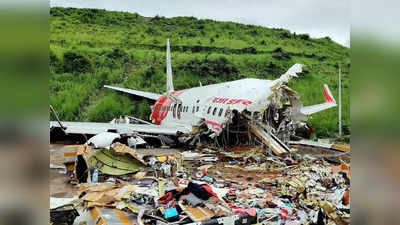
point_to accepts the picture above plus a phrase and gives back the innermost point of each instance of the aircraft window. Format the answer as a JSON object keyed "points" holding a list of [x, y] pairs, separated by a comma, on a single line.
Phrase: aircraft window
{"points": [[214, 111], [193, 109], [197, 109], [220, 112], [209, 110]]}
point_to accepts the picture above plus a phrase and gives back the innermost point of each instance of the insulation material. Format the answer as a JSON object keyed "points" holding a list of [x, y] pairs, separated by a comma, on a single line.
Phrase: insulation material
{"points": [[112, 163]]}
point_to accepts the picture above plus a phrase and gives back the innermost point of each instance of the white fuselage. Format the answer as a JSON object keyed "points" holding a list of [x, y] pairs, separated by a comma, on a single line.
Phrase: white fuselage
{"points": [[211, 103]]}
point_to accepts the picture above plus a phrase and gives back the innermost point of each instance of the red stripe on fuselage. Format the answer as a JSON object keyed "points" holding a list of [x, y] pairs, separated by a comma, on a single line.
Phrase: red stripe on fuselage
{"points": [[215, 125], [160, 110], [162, 107]]}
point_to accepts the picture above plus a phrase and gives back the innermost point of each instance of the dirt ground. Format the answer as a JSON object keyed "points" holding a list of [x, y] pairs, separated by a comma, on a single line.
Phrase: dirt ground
{"points": [[59, 183]]}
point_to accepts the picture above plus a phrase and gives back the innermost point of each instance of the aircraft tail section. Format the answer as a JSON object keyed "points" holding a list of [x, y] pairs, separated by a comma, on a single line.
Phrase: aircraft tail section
{"points": [[328, 94], [170, 84], [329, 103]]}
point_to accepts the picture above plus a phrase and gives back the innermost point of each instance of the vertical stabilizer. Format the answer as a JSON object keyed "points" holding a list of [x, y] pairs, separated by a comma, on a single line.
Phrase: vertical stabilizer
{"points": [[170, 84]]}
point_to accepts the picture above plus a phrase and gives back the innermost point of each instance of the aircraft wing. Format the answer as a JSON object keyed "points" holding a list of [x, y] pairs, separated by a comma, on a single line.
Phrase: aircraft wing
{"points": [[308, 110], [329, 103], [144, 94], [94, 128]]}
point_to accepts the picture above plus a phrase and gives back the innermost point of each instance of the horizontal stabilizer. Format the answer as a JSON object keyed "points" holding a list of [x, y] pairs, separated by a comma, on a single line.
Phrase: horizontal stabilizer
{"points": [[329, 103], [143, 94]]}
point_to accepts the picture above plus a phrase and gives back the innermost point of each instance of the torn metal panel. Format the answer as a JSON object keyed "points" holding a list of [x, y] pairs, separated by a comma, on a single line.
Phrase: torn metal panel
{"points": [[198, 214], [121, 148], [102, 216], [135, 141], [105, 195], [278, 147], [319, 144], [63, 215]]}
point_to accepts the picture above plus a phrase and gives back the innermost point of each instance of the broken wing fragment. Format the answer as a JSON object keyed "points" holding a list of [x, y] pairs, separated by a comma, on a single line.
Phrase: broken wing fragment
{"points": [[292, 72]]}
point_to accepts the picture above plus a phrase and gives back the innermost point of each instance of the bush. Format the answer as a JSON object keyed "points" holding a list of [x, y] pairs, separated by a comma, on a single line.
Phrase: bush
{"points": [[253, 32], [304, 36], [280, 54], [76, 63], [117, 53], [285, 34], [108, 108], [249, 50], [220, 67], [273, 69], [55, 62]]}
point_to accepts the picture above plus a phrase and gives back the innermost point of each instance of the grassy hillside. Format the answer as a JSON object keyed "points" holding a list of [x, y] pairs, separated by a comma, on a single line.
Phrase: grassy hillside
{"points": [[90, 48]]}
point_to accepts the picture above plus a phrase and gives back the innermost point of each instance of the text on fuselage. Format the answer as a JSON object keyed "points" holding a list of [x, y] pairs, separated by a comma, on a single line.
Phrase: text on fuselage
{"points": [[230, 101]]}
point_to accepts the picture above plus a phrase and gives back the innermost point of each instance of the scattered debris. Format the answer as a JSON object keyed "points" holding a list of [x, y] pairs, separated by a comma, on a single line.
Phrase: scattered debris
{"points": [[236, 185]]}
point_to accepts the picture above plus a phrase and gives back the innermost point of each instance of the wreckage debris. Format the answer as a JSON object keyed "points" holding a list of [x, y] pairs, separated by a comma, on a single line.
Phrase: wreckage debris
{"points": [[236, 185]]}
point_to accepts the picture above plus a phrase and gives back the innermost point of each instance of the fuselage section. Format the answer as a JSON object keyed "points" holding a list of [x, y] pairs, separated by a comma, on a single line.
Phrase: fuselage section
{"points": [[212, 103]]}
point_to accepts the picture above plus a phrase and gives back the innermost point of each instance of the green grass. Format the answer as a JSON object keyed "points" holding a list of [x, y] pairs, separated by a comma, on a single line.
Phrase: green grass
{"points": [[90, 48]]}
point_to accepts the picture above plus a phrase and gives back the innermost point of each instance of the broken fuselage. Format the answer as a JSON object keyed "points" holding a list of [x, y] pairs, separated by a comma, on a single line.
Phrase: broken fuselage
{"points": [[216, 106]]}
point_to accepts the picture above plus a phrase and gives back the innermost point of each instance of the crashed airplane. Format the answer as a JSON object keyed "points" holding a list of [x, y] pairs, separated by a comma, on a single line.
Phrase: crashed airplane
{"points": [[227, 112]]}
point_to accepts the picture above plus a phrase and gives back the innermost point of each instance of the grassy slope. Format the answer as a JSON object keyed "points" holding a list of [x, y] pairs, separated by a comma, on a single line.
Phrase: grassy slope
{"points": [[128, 50]]}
